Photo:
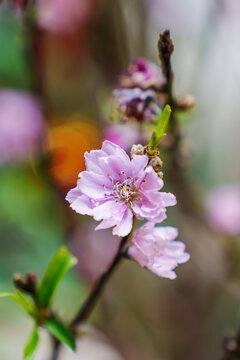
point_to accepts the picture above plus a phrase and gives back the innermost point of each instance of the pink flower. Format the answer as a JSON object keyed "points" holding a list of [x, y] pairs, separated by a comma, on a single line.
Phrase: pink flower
{"points": [[94, 251], [123, 135], [142, 73], [138, 91], [137, 103], [21, 126], [59, 16], [155, 248], [223, 209], [114, 188]]}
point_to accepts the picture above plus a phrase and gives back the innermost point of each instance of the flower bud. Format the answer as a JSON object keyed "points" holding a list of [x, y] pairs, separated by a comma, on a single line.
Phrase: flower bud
{"points": [[186, 103], [25, 283], [156, 164], [138, 150]]}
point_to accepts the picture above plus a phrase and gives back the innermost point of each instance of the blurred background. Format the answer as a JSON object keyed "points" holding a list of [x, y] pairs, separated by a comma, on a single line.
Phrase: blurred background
{"points": [[58, 68]]}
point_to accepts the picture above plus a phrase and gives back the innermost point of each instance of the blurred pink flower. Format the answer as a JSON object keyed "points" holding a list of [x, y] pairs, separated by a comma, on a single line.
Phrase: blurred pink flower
{"points": [[114, 188], [62, 15], [142, 73], [223, 209], [154, 248], [137, 103], [137, 91], [94, 250], [21, 126], [123, 135]]}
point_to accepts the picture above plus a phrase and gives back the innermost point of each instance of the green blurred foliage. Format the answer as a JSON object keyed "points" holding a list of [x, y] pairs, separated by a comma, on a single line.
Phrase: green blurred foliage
{"points": [[15, 59], [29, 221]]}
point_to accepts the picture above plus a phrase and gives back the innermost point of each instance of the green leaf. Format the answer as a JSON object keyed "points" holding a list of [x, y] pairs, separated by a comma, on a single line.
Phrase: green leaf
{"points": [[21, 301], [31, 344], [62, 261], [160, 129], [60, 331]]}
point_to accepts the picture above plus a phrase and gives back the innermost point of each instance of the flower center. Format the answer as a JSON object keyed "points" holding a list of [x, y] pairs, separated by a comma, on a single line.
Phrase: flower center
{"points": [[125, 191]]}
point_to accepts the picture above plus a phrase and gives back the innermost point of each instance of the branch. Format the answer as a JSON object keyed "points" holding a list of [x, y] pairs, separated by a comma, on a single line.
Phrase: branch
{"points": [[185, 190], [89, 305]]}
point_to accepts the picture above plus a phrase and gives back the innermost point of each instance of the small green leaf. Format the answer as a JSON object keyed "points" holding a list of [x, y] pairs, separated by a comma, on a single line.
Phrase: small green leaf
{"points": [[60, 331], [160, 128], [31, 344], [62, 261], [21, 301]]}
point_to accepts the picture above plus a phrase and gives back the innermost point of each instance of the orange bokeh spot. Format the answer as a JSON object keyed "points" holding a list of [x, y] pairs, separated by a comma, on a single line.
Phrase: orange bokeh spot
{"points": [[69, 137]]}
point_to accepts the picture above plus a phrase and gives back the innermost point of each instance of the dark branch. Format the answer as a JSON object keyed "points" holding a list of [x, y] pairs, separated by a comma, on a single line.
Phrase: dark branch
{"points": [[88, 306], [165, 50]]}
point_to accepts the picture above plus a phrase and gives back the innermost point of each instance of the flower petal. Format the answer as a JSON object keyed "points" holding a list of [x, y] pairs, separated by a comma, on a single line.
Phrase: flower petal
{"points": [[109, 209], [155, 249], [166, 233], [73, 194], [83, 205], [125, 226], [151, 181], [168, 199], [94, 185], [112, 149], [138, 164], [106, 223]]}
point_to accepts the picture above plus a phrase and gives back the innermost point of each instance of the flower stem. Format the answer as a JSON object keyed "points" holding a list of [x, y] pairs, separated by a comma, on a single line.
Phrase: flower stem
{"points": [[56, 347], [88, 306]]}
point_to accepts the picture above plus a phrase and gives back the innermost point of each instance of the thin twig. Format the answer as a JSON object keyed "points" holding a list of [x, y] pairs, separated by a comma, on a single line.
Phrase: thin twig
{"points": [[56, 348], [88, 306], [185, 190]]}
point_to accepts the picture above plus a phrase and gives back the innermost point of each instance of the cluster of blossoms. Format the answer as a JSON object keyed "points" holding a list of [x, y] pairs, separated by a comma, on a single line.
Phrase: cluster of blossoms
{"points": [[138, 91], [114, 189], [155, 248]]}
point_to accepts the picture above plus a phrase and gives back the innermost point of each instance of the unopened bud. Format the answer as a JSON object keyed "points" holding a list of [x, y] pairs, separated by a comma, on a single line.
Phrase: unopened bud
{"points": [[20, 281], [25, 283], [160, 174], [156, 164], [32, 278], [138, 150], [186, 103]]}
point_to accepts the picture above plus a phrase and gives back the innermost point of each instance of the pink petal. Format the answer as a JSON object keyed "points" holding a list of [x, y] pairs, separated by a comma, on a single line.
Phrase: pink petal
{"points": [[93, 185], [106, 210], [165, 274], [166, 233], [112, 149], [92, 160], [137, 255], [125, 226], [151, 180], [106, 223], [168, 199], [116, 167], [138, 164], [83, 205], [73, 194]]}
